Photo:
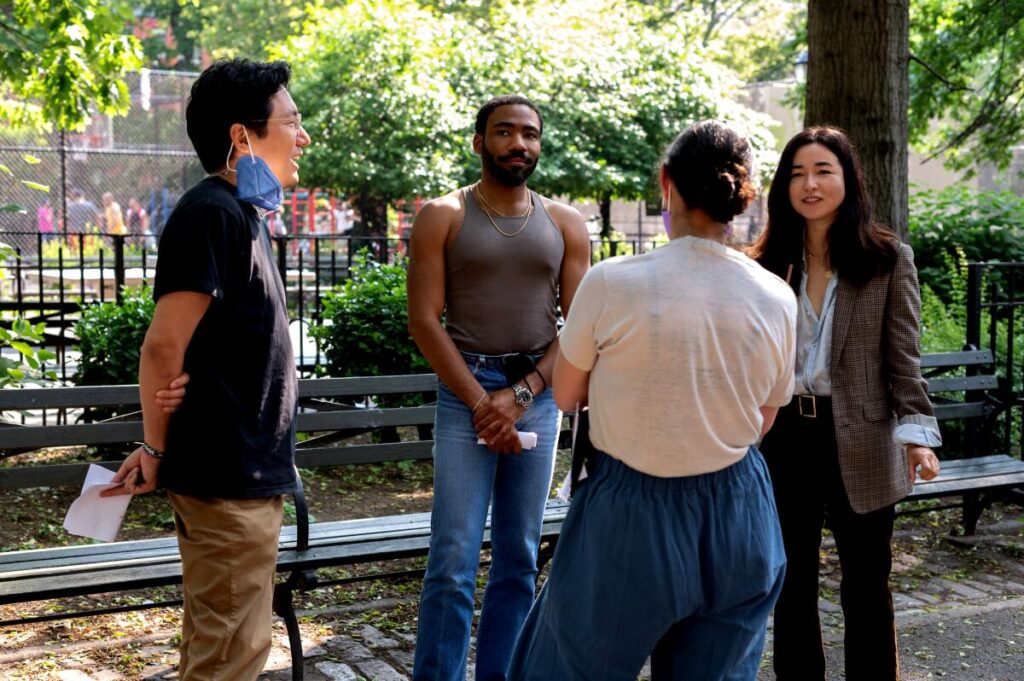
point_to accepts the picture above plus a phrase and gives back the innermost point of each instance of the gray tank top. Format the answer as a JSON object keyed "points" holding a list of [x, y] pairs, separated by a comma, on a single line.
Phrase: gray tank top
{"points": [[502, 292]]}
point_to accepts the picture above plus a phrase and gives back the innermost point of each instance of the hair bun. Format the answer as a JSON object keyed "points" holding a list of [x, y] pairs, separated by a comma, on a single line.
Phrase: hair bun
{"points": [[709, 164]]}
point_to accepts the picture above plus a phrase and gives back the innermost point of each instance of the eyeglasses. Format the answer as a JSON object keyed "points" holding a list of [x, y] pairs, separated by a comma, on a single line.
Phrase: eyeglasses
{"points": [[291, 121]]}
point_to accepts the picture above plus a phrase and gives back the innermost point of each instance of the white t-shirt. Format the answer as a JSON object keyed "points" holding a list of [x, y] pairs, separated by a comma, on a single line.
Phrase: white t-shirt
{"points": [[684, 345]]}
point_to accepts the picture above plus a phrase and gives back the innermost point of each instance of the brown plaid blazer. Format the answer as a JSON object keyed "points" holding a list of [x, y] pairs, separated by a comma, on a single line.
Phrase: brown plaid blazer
{"points": [[876, 379]]}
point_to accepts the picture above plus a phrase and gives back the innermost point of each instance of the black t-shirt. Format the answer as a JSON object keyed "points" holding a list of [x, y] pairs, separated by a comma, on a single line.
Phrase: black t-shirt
{"points": [[233, 435]]}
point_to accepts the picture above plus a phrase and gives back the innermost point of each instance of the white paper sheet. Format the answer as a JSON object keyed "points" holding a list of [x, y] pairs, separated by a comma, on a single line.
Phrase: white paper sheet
{"points": [[94, 516], [527, 440]]}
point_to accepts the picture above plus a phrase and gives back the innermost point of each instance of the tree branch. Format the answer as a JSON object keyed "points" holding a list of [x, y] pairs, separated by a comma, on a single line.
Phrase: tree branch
{"points": [[987, 112], [15, 32], [949, 84]]}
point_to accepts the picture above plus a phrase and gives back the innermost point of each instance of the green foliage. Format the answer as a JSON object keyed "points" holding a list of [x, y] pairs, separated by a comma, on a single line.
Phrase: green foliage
{"points": [[29, 366], [365, 332], [372, 78], [967, 79], [169, 32], [965, 226], [110, 338], [58, 58], [943, 325], [22, 337], [245, 28], [391, 90], [9, 178]]}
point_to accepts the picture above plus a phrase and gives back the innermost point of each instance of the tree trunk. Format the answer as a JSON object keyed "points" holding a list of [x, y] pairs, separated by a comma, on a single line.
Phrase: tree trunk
{"points": [[857, 80], [605, 207], [373, 216]]}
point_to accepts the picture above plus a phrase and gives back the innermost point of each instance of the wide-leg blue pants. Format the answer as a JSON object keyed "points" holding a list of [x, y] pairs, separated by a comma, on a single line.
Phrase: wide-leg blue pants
{"points": [[685, 570]]}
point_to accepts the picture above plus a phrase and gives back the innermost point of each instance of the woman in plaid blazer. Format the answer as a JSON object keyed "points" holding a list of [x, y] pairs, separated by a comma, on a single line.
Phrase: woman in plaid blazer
{"points": [[860, 425]]}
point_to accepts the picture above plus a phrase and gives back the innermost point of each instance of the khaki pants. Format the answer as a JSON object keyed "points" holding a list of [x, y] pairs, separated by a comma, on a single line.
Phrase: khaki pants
{"points": [[228, 554]]}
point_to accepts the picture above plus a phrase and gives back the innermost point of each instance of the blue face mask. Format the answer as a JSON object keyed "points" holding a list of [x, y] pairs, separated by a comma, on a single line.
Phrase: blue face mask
{"points": [[256, 184]]}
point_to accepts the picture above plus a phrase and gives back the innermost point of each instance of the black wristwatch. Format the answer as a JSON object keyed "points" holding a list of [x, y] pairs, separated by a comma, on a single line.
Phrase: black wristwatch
{"points": [[524, 396]]}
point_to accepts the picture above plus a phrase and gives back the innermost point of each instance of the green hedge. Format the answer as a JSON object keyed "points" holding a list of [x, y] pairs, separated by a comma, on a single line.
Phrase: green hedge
{"points": [[960, 225], [110, 338], [364, 331]]}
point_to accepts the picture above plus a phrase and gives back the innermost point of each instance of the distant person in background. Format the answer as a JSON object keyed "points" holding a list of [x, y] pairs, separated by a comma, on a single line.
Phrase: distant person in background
{"points": [[83, 216], [44, 218], [113, 218], [342, 219], [137, 224]]}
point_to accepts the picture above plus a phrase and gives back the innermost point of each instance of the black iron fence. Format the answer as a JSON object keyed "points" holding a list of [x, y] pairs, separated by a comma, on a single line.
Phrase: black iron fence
{"points": [[53, 276], [995, 298], [57, 277]]}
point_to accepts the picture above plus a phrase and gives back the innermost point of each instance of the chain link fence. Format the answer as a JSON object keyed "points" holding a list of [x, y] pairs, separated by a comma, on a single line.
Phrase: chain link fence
{"points": [[142, 162]]}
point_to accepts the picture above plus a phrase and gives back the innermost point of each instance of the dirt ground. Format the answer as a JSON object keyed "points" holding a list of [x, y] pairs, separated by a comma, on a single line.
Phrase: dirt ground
{"points": [[135, 645]]}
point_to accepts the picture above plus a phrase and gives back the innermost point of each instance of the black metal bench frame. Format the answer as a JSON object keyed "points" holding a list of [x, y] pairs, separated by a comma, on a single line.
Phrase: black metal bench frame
{"points": [[978, 398], [303, 549]]}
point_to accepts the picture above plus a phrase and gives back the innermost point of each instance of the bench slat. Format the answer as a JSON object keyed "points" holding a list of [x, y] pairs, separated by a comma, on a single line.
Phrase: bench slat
{"points": [[400, 536], [970, 472], [945, 384], [356, 454], [365, 418], [965, 410], [18, 437], [105, 551], [114, 395], [939, 487], [359, 386], [78, 396], [50, 475], [934, 360], [976, 460]]}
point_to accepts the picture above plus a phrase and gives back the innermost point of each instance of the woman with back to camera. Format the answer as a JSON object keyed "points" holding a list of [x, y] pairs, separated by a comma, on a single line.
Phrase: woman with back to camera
{"points": [[671, 547], [847, 447]]}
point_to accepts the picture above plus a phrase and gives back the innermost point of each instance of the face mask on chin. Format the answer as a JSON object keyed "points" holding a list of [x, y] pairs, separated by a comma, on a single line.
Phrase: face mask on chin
{"points": [[256, 183]]}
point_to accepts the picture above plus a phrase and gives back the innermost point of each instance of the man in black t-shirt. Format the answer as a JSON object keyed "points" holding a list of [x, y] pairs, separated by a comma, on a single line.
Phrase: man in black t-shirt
{"points": [[226, 456]]}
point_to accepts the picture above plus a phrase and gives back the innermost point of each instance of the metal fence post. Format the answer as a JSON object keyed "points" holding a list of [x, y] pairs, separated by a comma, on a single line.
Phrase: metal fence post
{"points": [[118, 268], [973, 339]]}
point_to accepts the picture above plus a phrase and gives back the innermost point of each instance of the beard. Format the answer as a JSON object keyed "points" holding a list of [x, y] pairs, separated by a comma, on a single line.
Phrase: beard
{"points": [[506, 176]]}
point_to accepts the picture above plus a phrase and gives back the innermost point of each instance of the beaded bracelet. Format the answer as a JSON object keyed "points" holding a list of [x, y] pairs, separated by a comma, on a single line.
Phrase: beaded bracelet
{"points": [[151, 451]]}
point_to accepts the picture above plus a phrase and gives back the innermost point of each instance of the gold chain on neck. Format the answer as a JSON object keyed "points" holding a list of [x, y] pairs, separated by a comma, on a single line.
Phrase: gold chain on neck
{"points": [[486, 207], [823, 259]]}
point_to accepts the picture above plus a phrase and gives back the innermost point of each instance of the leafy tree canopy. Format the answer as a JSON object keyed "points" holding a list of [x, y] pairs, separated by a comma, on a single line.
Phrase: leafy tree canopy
{"points": [[967, 79], [58, 59], [391, 89]]}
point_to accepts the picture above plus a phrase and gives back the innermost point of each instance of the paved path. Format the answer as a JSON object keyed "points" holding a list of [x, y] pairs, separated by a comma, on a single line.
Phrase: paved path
{"points": [[959, 607]]}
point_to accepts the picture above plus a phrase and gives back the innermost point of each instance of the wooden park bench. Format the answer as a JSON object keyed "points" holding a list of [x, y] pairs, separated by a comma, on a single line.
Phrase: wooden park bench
{"points": [[326, 411], [977, 473]]}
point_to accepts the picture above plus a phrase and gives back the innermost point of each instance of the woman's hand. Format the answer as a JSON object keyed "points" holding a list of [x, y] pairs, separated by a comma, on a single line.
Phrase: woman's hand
{"points": [[924, 457]]}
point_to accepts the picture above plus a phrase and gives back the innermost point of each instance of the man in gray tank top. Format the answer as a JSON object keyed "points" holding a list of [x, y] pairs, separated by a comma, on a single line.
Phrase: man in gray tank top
{"points": [[495, 261]]}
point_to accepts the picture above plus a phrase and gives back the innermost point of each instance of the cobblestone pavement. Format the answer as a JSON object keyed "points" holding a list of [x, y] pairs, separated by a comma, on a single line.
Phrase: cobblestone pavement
{"points": [[960, 618]]}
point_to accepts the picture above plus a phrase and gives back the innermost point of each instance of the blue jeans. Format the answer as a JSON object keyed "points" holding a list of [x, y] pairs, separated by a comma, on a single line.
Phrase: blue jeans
{"points": [[684, 569], [468, 477]]}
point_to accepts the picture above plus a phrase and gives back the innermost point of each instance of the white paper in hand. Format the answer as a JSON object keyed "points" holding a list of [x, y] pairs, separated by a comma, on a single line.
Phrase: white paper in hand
{"points": [[94, 516], [527, 440]]}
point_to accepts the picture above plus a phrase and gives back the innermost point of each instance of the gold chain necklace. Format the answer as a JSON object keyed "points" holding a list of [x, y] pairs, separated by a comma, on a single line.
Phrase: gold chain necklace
{"points": [[823, 259], [485, 205]]}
